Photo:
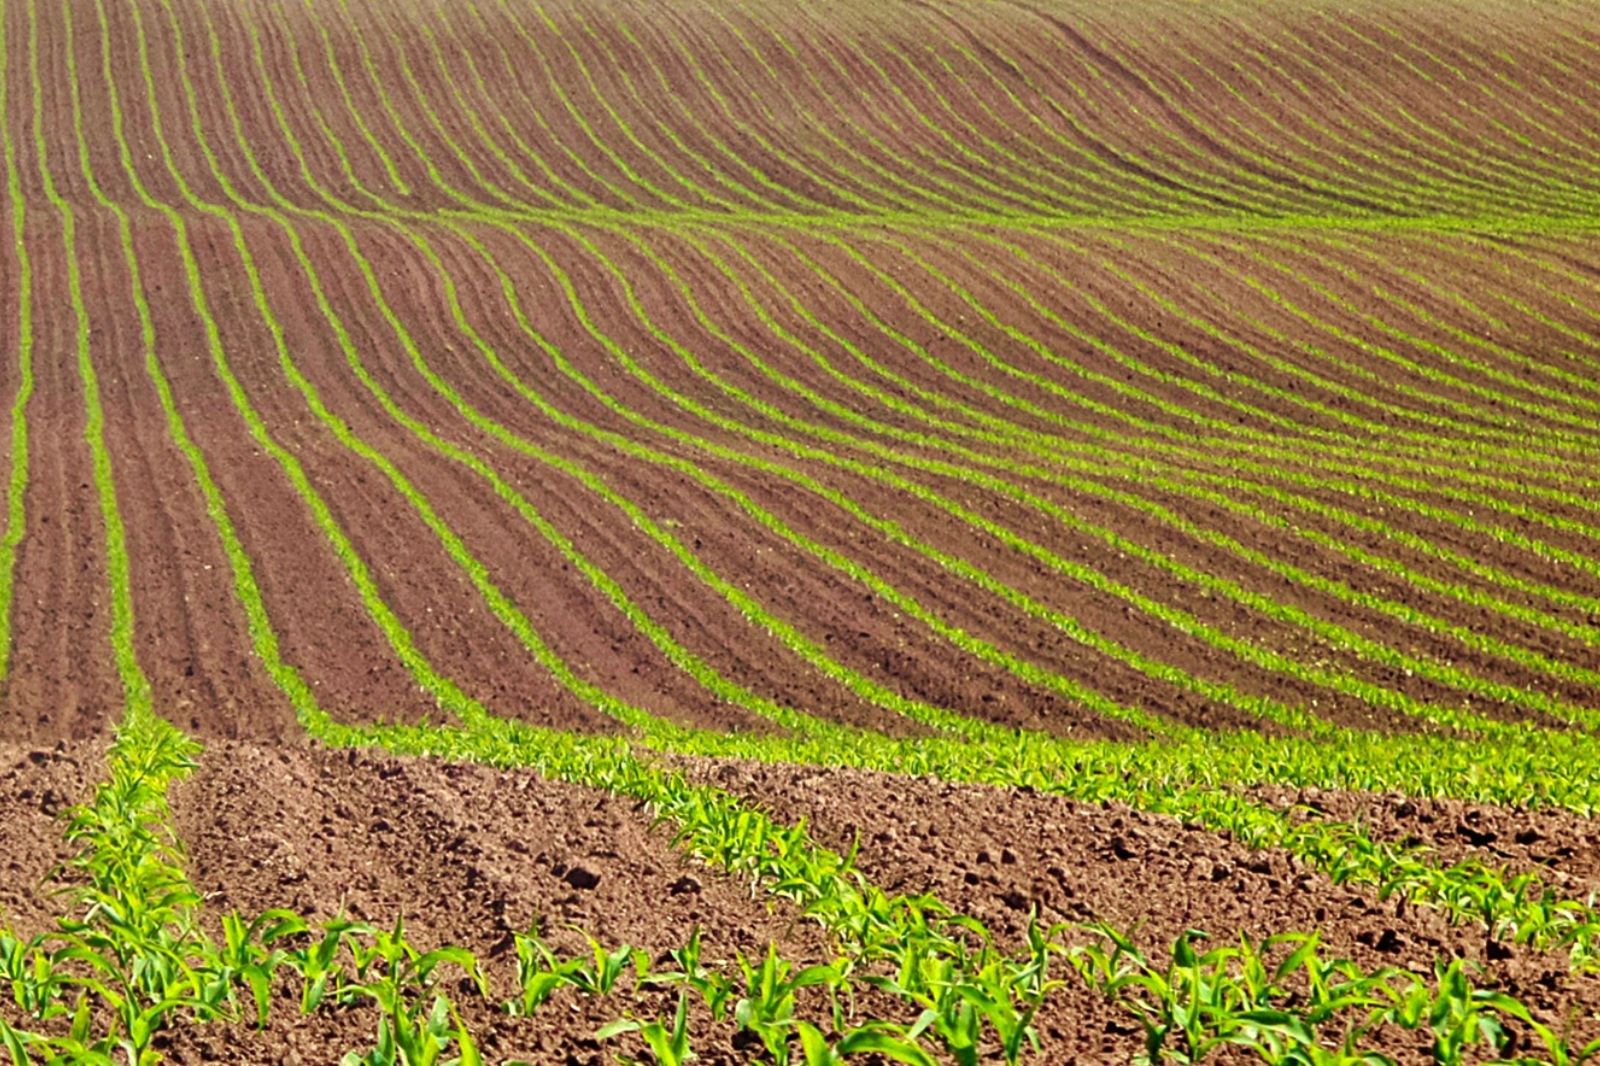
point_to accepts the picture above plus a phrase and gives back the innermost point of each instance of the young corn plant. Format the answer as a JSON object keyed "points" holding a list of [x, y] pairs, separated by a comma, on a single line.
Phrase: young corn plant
{"points": [[1230, 996], [416, 1023], [539, 974], [249, 954], [965, 987], [410, 1038], [1467, 1022], [1010, 992], [768, 1004], [668, 1043], [715, 988], [602, 972], [28, 970], [130, 958], [320, 963], [540, 971]]}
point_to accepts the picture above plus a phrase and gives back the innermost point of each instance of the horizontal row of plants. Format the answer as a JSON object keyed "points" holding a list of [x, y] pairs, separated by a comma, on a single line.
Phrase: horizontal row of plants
{"points": [[970, 992], [452, 698], [140, 962]]}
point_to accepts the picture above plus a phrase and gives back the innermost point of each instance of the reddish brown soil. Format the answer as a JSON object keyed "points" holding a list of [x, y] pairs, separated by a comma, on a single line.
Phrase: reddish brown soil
{"points": [[998, 854], [61, 681], [193, 640], [338, 649], [1562, 847], [976, 269], [492, 854], [466, 855], [37, 787]]}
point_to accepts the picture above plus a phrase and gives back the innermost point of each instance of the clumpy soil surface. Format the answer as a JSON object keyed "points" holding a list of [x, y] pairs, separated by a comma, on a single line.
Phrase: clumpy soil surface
{"points": [[1561, 846], [469, 855], [37, 787], [1000, 854], [465, 855]]}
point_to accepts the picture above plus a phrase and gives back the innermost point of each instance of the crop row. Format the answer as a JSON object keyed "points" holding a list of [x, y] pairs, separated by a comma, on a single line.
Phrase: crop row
{"points": [[1170, 134], [1499, 399], [107, 987], [1147, 508], [1557, 706], [1520, 780]]}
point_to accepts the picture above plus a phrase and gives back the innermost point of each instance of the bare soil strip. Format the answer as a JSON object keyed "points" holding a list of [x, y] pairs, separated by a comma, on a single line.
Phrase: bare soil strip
{"points": [[192, 638], [997, 854], [465, 855], [1561, 847], [37, 787], [63, 684]]}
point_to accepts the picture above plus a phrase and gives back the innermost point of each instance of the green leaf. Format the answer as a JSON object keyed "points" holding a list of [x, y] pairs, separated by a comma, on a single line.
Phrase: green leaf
{"points": [[819, 974], [1183, 949], [814, 1046], [11, 1040], [470, 1055], [873, 1041], [616, 1028]]}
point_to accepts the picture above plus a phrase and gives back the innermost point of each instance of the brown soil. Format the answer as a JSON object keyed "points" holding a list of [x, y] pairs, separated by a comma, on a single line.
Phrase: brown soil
{"points": [[61, 682], [465, 855], [764, 240], [998, 854], [338, 649], [1562, 847], [37, 787], [194, 641], [489, 854]]}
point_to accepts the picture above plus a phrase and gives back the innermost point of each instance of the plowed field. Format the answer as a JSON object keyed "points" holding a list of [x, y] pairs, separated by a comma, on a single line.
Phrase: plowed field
{"points": [[1050, 532]]}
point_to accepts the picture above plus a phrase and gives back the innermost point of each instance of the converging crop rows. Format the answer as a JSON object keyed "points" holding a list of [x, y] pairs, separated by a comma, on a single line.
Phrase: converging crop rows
{"points": [[912, 532]]}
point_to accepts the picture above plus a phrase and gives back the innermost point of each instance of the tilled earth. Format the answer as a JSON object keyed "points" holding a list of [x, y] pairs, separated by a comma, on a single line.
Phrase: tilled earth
{"points": [[774, 420], [464, 855], [1000, 854], [468, 855]]}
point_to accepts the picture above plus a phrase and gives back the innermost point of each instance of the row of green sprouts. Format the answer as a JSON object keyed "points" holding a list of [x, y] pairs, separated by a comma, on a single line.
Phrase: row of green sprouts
{"points": [[907, 979]]}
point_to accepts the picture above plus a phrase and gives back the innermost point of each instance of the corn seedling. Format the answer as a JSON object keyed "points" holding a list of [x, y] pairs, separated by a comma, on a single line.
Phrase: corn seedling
{"points": [[668, 1042]]}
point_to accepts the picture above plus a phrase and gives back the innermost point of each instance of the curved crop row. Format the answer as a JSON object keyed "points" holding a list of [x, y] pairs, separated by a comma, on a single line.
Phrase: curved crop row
{"points": [[1138, 413]]}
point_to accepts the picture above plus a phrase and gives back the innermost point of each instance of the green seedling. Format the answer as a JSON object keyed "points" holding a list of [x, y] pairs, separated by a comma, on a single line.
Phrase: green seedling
{"points": [[715, 988], [409, 1038], [390, 972], [539, 974], [1460, 1016], [248, 956], [540, 971], [768, 1004], [669, 1044], [1232, 996], [882, 1039], [605, 968]]}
